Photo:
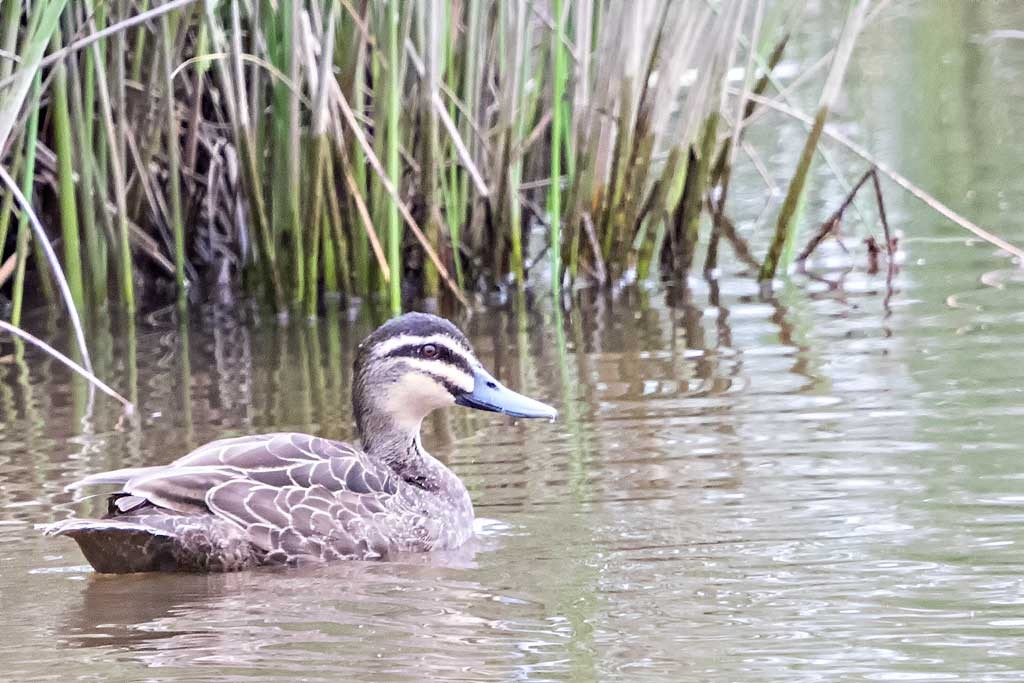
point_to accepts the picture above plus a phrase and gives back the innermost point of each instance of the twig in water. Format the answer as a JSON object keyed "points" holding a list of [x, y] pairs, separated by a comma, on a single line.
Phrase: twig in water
{"points": [[902, 181], [890, 241], [93, 379], [874, 251], [739, 246], [890, 245], [831, 224]]}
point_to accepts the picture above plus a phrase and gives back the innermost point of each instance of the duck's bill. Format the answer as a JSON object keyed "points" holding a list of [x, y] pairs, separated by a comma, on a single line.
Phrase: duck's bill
{"points": [[490, 394]]}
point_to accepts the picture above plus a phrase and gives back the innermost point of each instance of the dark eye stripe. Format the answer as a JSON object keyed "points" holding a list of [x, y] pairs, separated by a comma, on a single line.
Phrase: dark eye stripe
{"points": [[444, 354], [447, 384]]}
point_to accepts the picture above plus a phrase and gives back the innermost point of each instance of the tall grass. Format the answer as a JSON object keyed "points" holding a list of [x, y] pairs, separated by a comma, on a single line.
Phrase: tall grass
{"points": [[393, 131], [299, 150]]}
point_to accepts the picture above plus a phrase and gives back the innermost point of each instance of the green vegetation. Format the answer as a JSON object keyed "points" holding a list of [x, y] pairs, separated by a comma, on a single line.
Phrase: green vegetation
{"points": [[310, 149]]}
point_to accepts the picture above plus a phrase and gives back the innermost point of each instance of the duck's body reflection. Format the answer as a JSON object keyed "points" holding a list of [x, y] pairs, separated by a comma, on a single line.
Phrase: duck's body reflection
{"points": [[160, 612]]}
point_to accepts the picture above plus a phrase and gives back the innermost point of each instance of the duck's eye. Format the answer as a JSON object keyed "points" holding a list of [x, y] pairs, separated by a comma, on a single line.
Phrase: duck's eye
{"points": [[429, 351]]}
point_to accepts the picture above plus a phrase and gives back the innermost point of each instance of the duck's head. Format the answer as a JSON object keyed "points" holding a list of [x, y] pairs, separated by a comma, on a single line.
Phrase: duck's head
{"points": [[416, 363]]}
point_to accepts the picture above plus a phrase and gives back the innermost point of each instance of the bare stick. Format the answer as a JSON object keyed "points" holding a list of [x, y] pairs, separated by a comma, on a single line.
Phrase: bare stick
{"points": [[371, 157], [51, 257], [890, 247], [140, 18], [833, 220], [900, 180], [449, 125], [739, 246], [93, 379], [890, 244], [364, 214]]}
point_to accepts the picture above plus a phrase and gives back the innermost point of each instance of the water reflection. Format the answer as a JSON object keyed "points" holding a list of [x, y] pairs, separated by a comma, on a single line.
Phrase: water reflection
{"points": [[404, 615], [736, 485]]}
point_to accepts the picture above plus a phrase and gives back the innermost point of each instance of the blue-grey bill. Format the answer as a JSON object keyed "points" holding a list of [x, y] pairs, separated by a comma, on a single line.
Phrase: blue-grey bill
{"points": [[490, 394]]}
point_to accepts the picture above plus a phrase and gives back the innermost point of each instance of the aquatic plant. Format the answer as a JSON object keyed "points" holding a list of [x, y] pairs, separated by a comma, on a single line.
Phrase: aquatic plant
{"points": [[302, 150]]}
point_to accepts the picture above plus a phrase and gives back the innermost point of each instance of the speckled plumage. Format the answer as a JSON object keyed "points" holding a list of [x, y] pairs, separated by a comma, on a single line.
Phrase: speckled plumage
{"points": [[273, 499], [289, 498]]}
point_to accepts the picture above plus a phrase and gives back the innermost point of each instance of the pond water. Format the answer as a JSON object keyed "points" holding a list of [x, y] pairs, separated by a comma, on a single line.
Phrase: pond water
{"points": [[821, 485]]}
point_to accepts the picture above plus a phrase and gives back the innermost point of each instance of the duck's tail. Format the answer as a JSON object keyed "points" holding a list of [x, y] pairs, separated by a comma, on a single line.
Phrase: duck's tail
{"points": [[116, 477], [158, 542], [114, 546]]}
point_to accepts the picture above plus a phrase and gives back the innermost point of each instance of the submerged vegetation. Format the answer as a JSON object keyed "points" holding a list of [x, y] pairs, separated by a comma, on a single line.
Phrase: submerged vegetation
{"points": [[300, 151]]}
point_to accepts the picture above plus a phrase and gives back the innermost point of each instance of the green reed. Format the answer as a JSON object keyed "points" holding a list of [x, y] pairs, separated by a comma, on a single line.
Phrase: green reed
{"points": [[393, 134], [308, 148], [558, 84], [28, 177], [66, 185]]}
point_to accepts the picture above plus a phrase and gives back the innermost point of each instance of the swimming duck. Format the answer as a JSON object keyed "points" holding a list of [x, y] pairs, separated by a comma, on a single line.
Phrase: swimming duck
{"points": [[288, 498]]}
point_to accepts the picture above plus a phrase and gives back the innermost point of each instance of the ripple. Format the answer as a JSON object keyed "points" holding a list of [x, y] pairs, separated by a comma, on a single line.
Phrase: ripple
{"points": [[750, 490]]}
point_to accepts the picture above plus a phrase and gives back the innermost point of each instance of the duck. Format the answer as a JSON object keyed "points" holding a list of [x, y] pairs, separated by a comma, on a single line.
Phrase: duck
{"points": [[290, 498]]}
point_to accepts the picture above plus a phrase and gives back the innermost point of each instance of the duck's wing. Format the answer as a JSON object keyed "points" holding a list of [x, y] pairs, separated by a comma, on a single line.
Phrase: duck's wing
{"points": [[292, 523], [259, 452], [275, 460], [295, 495]]}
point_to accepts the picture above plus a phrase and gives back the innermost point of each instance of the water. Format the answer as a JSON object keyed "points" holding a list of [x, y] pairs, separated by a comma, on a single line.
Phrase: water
{"points": [[825, 485]]}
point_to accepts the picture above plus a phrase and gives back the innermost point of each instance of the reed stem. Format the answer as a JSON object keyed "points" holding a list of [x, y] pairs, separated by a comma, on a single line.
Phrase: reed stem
{"points": [[369, 148], [557, 114], [393, 133], [27, 184], [66, 183], [786, 227], [83, 128], [173, 144]]}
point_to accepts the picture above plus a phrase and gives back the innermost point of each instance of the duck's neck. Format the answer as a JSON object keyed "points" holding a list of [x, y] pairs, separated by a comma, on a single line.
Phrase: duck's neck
{"points": [[398, 446]]}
